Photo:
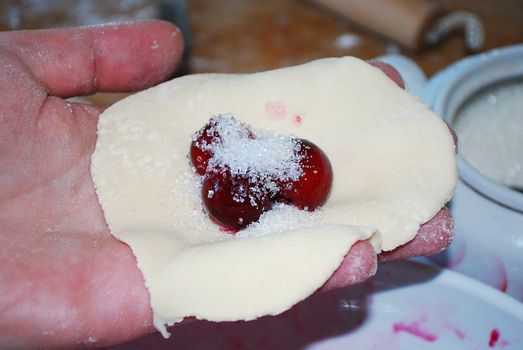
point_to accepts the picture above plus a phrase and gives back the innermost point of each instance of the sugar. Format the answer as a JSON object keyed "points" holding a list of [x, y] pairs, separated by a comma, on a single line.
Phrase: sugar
{"points": [[266, 160], [282, 218], [490, 129], [186, 186]]}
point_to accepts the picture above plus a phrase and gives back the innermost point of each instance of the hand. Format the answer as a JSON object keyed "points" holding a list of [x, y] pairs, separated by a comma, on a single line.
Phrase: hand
{"points": [[64, 280]]}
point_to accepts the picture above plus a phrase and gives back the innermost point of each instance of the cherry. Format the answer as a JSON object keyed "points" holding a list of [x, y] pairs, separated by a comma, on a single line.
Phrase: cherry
{"points": [[200, 152], [236, 201], [232, 201], [312, 188]]}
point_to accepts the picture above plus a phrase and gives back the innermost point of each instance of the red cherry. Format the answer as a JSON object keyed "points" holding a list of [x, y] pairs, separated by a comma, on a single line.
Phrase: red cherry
{"points": [[312, 188], [199, 153], [232, 201]]}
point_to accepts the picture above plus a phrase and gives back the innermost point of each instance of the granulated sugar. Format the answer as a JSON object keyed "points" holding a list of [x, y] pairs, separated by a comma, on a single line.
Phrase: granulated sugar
{"points": [[282, 218], [490, 133], [265, 159]]}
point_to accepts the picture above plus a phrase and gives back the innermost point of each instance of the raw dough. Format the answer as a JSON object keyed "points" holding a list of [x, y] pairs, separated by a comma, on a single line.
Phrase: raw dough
{"points": [[393, 162]]}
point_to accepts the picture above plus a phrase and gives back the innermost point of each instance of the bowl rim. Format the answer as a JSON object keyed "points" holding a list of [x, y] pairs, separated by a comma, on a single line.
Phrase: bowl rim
{"points": [[459, 82]]}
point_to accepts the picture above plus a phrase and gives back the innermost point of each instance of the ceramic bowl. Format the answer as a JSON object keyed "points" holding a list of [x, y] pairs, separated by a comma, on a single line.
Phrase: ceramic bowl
{"points": [[488, 216]]}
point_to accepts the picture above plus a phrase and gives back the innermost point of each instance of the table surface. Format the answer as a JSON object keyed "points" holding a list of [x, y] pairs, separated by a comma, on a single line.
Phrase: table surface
{"points": [[253, 35]]}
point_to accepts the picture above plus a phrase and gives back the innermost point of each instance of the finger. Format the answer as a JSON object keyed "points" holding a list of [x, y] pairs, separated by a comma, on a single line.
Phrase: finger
{"points": [[390, 71], [359, 264], [79, 61], [433, 237]]}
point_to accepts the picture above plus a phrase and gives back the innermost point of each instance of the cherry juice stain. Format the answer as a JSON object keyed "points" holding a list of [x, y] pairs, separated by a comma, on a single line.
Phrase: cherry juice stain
{"points": [[494, 337], [224, 229], [459, 255], [451, 258], [276, 110], [298, 120], [415, 330], [458, 332], [501, 273]]}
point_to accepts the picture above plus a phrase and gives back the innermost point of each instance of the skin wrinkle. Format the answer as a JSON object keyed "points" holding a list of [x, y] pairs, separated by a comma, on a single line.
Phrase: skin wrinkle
{"points": [[33, 144], [23, 70], [28, 127], [17, 56], [94, 62]]}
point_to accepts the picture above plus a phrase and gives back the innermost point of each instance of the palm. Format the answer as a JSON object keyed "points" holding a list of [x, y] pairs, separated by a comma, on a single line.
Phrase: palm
{"points": [[61, 268], [45, 156], [50, 205]]}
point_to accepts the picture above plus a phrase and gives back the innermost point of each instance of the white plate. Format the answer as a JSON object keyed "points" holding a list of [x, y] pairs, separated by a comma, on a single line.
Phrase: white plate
{"points": [[406, 306]]}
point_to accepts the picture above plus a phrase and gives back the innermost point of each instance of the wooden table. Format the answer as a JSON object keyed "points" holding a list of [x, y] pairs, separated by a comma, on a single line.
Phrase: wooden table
{"points": [[252, 35]]}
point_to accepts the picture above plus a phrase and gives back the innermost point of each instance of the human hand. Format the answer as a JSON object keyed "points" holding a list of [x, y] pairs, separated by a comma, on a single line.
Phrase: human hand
{"points": [[64, 280]]}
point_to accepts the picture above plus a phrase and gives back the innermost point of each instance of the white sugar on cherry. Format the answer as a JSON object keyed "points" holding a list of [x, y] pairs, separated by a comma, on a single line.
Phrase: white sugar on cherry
{"points": [[245, 174]]}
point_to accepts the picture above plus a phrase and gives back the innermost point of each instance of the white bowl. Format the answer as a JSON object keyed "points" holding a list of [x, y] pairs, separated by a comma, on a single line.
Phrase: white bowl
{"points": [[488, 216], [447, 92]]}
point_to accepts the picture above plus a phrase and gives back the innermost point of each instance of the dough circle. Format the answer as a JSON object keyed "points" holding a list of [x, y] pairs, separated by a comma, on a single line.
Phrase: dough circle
{"points": [[394, 168]]}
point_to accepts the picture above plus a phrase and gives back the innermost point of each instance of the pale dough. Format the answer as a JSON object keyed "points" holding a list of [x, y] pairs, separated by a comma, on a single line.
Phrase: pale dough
{"points": [[394, 168]]}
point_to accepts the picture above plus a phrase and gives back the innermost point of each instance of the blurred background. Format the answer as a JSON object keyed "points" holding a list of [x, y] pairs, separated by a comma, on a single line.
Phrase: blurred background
{"points": [[250, 35]]}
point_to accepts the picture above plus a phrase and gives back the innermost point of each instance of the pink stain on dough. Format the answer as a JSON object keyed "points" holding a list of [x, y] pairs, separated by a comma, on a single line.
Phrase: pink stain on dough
{"points": [[276, 110], [414, 329], [298, 120]]}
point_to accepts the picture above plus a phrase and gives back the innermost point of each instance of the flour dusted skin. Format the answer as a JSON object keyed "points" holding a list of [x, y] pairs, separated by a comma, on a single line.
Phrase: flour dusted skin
{"points": [[393, 166]]}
